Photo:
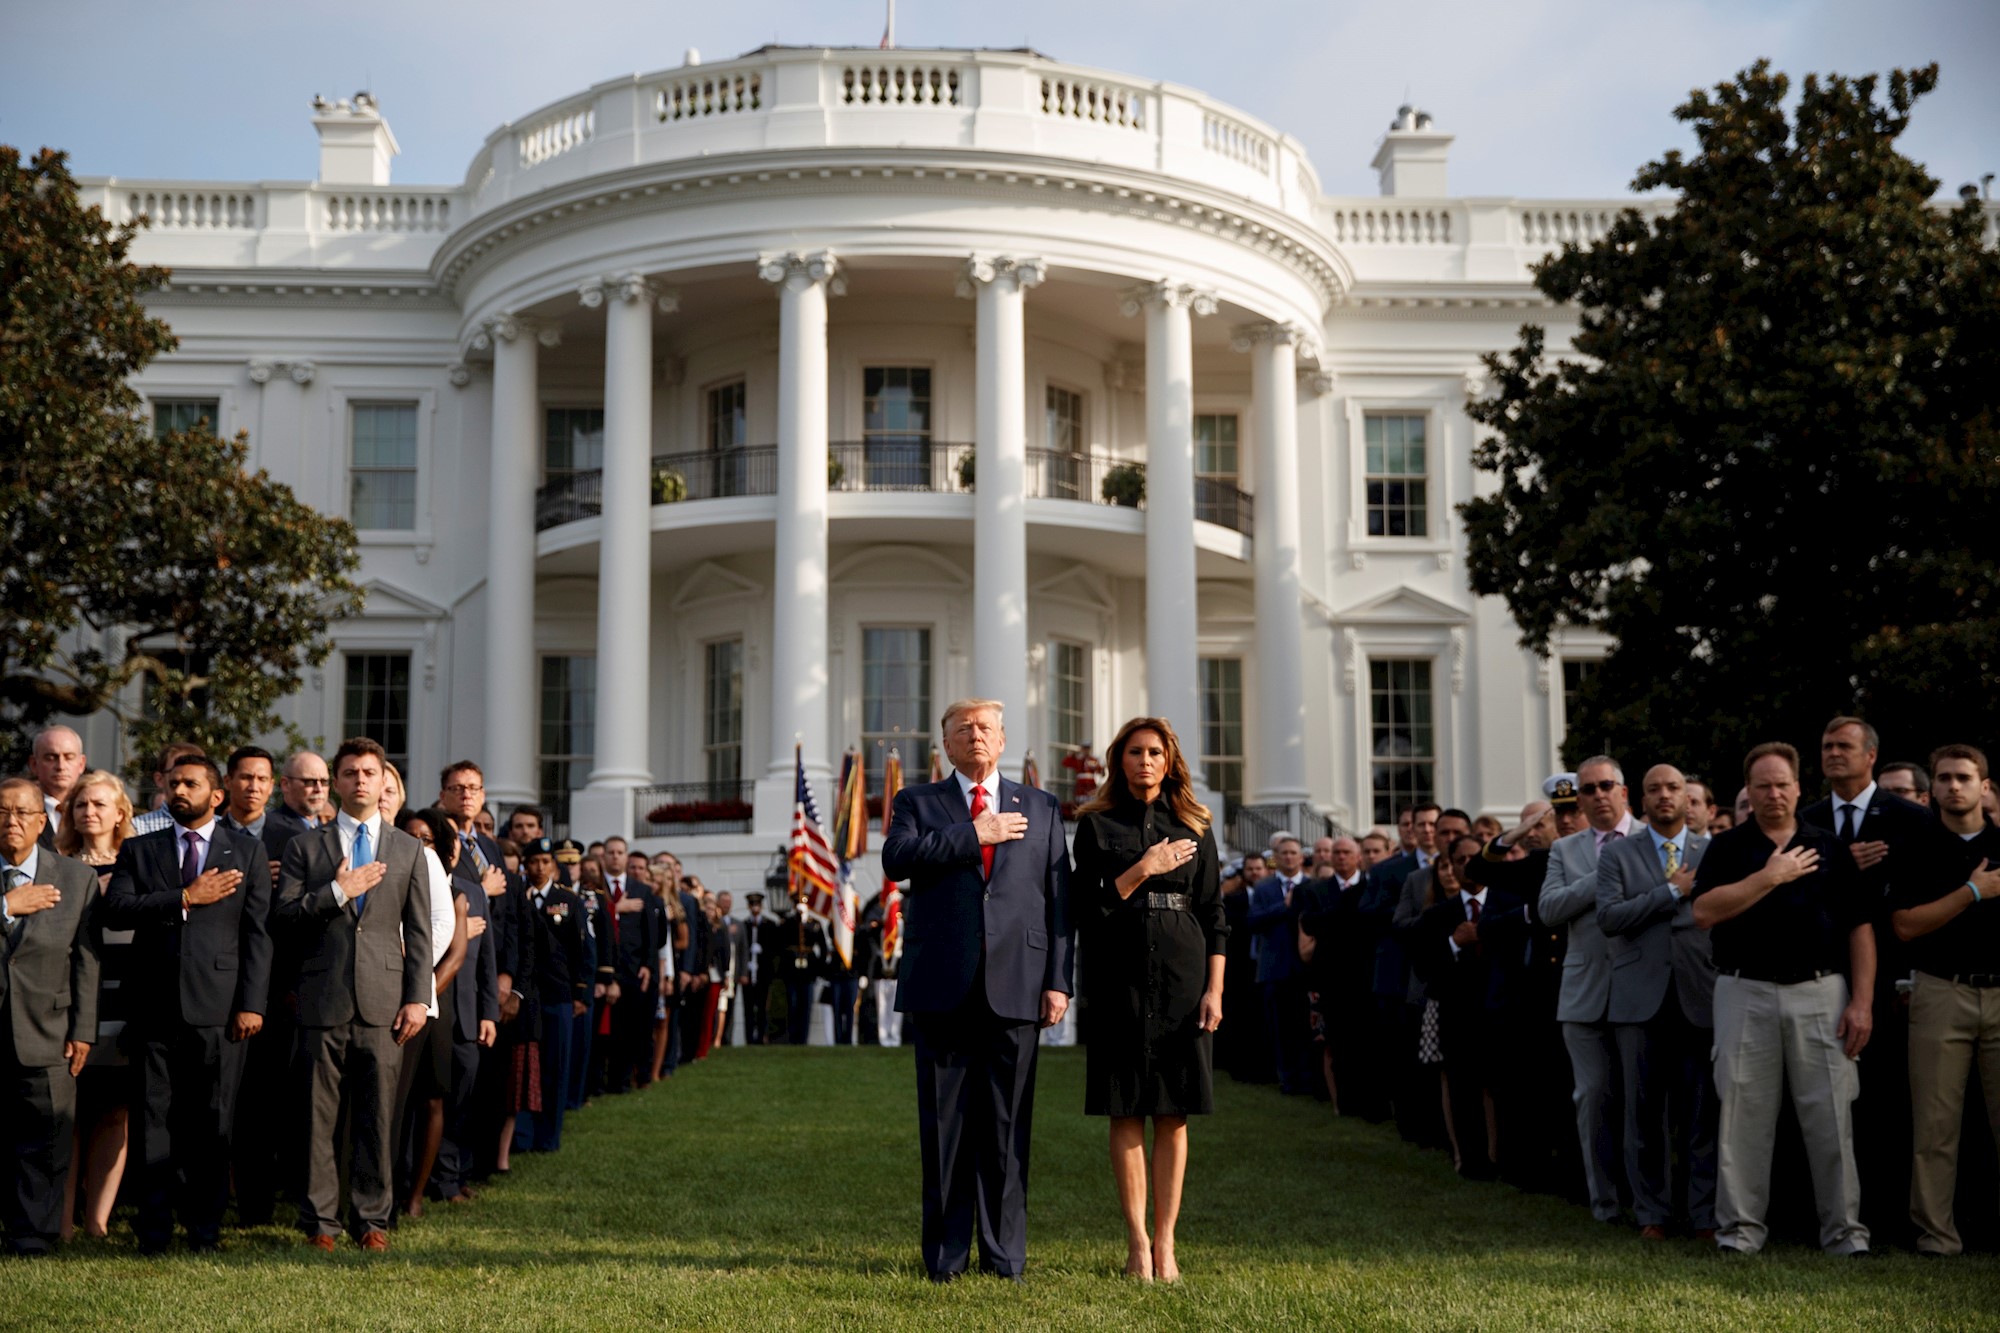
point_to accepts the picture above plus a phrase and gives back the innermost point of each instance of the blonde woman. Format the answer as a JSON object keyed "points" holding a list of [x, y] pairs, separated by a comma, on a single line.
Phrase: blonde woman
{"points": [[1148, 902], [96, 820]]}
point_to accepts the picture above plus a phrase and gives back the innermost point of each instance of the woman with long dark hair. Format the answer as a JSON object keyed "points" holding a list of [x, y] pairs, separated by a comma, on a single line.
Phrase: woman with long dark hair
{"points": [[1148, 903]]}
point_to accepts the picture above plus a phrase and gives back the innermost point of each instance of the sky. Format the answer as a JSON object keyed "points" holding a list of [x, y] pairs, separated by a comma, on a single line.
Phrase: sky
{"points": [[1548, 98]]}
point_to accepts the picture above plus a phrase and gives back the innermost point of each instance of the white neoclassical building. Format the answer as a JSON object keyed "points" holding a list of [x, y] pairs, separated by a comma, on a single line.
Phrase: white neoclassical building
{"points": [[785, 399]]}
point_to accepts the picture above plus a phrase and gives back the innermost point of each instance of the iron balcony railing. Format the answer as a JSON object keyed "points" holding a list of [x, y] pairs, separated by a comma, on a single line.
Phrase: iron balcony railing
{"points": [[888, 464], [688, 809]]}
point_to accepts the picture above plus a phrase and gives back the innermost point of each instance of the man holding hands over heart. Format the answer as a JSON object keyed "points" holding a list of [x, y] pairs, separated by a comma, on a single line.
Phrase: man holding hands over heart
{"points": [[364, 987], [987, 945]]}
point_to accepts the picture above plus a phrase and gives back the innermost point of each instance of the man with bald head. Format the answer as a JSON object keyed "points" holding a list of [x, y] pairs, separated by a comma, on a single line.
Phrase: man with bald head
{"points": [[1662, 998], [304, 789], [56, 763]]}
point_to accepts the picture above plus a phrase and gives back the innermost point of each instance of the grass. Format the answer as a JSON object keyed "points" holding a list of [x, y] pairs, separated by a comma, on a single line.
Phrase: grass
{"points": [[777, 1188]]}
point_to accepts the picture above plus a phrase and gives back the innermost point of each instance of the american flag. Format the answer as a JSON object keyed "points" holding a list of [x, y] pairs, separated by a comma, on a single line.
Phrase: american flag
{"points": [[815, 872]]}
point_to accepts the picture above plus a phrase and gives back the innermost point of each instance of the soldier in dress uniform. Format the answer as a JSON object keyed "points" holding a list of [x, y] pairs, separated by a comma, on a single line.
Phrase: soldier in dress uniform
{"points": [[801, 962]]}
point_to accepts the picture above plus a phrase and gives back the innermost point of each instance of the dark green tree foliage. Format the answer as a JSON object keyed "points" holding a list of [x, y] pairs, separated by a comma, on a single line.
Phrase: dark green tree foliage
{"points": [[1771, 473], [121, 556]]}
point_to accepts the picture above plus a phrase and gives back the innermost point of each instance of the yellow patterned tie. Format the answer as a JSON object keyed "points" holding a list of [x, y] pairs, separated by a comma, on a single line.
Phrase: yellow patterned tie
{"points": [[1673, 850]]}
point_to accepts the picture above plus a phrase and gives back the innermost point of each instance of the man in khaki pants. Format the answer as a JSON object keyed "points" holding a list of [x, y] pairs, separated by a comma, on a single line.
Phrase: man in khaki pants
{"points": [[1783, 900], [1947, 914]]}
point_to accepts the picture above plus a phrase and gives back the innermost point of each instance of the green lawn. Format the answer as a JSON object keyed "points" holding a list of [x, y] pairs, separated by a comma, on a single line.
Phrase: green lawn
{"points": [[777, 1188]]}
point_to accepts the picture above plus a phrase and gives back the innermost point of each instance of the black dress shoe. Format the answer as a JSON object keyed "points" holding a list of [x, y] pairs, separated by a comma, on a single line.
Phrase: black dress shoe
{"points": [[939, 1279]]}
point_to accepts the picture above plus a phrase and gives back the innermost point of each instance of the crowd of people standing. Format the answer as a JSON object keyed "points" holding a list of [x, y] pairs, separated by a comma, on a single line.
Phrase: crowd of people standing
{"points": [[1662, 1009], [286, 986]]}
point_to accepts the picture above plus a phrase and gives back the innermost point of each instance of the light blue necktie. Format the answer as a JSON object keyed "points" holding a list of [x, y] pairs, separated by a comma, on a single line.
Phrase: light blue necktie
{"points": [[363, 854]]}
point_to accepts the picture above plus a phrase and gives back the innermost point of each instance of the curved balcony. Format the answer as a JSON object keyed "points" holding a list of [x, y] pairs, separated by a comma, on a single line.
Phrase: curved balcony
{"points": [[893, 466]]}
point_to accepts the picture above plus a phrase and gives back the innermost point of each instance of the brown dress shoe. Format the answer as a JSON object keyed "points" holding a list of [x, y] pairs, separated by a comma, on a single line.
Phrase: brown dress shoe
{"points": [[1652, 1233], [375, 1241], [321, 1243]]}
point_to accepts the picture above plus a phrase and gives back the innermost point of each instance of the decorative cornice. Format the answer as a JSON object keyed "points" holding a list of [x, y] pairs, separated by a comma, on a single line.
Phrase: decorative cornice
{"points": [[1168, 293], [1319, 383], [509, 326], [1246, 336], [981, 270], [799, 270]]}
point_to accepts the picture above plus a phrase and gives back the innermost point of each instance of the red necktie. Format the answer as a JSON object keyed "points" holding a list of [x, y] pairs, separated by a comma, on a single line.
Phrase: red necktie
{"points": [[1472, 910], [985, 851]]}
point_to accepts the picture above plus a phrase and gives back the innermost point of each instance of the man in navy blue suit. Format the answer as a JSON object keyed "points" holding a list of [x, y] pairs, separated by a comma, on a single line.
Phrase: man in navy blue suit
{"points": [[987, 949]]}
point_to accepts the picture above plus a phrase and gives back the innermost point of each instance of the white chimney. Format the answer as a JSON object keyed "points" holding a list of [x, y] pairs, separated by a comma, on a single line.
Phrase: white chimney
{"points": [[355, 144], [1411, 160]]}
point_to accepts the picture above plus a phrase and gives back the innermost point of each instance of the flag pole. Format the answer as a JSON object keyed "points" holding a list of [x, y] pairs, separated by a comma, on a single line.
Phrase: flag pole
{"points": [[889, 32]]}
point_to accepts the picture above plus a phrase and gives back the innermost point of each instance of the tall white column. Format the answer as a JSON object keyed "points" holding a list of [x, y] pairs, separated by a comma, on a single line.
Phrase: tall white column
{"points": [[999, 507], [510, 557], [1172, 631], [624, 560], [799, 695], [1278, 761]]}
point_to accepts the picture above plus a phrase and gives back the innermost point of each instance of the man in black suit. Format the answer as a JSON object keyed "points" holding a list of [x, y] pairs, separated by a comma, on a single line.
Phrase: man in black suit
{"points": [[1339, 952], [1394, 1031], [639, 933], [48, 1015], [1475, 942], [346, 888], [1884, 834], [475, 989], [304, 805], [264, 1159], [987, 955], [197, 897], [554, 916]]}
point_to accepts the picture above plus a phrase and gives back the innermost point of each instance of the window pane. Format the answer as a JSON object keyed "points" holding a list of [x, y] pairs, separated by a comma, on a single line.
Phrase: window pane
{"points": [[1065, 421], [727, 425], [573, 441], [568, 739], [173, 415], [1401, 736], [722, 731], [1397, 483], [382, 466], [1069, 713], [376, 703], [1215, 446], [1222, 726], [896, 701]]}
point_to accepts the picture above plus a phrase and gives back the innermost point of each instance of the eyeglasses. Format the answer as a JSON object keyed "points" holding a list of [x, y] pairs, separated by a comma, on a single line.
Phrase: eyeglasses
{"points": [[1593, 788], [20, 816]]}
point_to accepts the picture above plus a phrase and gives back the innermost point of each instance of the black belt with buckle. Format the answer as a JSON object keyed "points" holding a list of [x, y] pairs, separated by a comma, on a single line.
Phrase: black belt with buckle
{"points": [[1796, 977], [1168, 902], [1980, 980]]}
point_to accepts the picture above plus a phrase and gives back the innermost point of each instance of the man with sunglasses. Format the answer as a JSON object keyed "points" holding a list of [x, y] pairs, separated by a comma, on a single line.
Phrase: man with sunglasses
{"points": [[1569, 898]]}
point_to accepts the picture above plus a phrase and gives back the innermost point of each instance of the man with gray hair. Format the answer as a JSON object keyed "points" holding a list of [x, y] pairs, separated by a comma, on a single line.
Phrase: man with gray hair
{"points": [[1569, 898], [56, 762]]}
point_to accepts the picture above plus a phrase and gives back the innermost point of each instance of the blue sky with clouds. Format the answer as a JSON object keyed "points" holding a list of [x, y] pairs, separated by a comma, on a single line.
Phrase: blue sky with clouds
{"points": [[1558, 98]]}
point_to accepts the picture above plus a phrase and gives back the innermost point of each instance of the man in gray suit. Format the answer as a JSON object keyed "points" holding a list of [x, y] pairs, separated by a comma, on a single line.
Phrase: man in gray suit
{"points": [[1662, 996], [363, 992], [1569, 896], [48, 1015]]}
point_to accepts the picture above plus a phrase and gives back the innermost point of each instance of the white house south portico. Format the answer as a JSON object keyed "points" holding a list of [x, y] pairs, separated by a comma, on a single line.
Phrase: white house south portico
{"points": [[783, 400]]}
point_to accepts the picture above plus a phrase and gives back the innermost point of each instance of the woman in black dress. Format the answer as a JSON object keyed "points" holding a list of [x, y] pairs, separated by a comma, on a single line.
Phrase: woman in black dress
{"points": [[1149, 907]]}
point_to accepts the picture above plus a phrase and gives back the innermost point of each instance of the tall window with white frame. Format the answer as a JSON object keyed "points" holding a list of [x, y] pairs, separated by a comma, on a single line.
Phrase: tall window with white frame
{"points": [[569, 730], [382, 467], [174, 415], [725, 434], [572, 442], [1398, 474], [376, 703], [1062, 465], [896, 701], [1069, 713], [1576, 672], [722, 718], [1402, 735], [895, 430], [1221, 728], [1217, 468]]}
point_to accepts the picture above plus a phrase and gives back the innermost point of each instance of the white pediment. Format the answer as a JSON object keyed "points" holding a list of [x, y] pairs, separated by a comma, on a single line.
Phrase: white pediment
{"points": [[383, 600], [1402, 606], [1077, 584], [898, 567], [709, 582]]}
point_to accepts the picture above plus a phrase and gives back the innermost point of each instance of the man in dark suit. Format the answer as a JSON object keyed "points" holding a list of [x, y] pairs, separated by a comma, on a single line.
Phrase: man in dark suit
{"points": [[48, 1015], [304, 789], [639, 932], [555, 917], [987, 955], [475, 989], [197, 897], [1662, 1003], [763, 937], [1274, 920], [1394, 1035], [363, 992], [262, 1157], [1339, 954], [801, 961], [691, 974], [1884, 834]]}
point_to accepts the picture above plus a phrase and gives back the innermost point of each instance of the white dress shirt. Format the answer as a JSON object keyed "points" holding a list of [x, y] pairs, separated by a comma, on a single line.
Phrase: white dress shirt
{"points": [[443, 919], [1862, 800], [992, 785], [207, 835], [1480, 898], [53, 809]]}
